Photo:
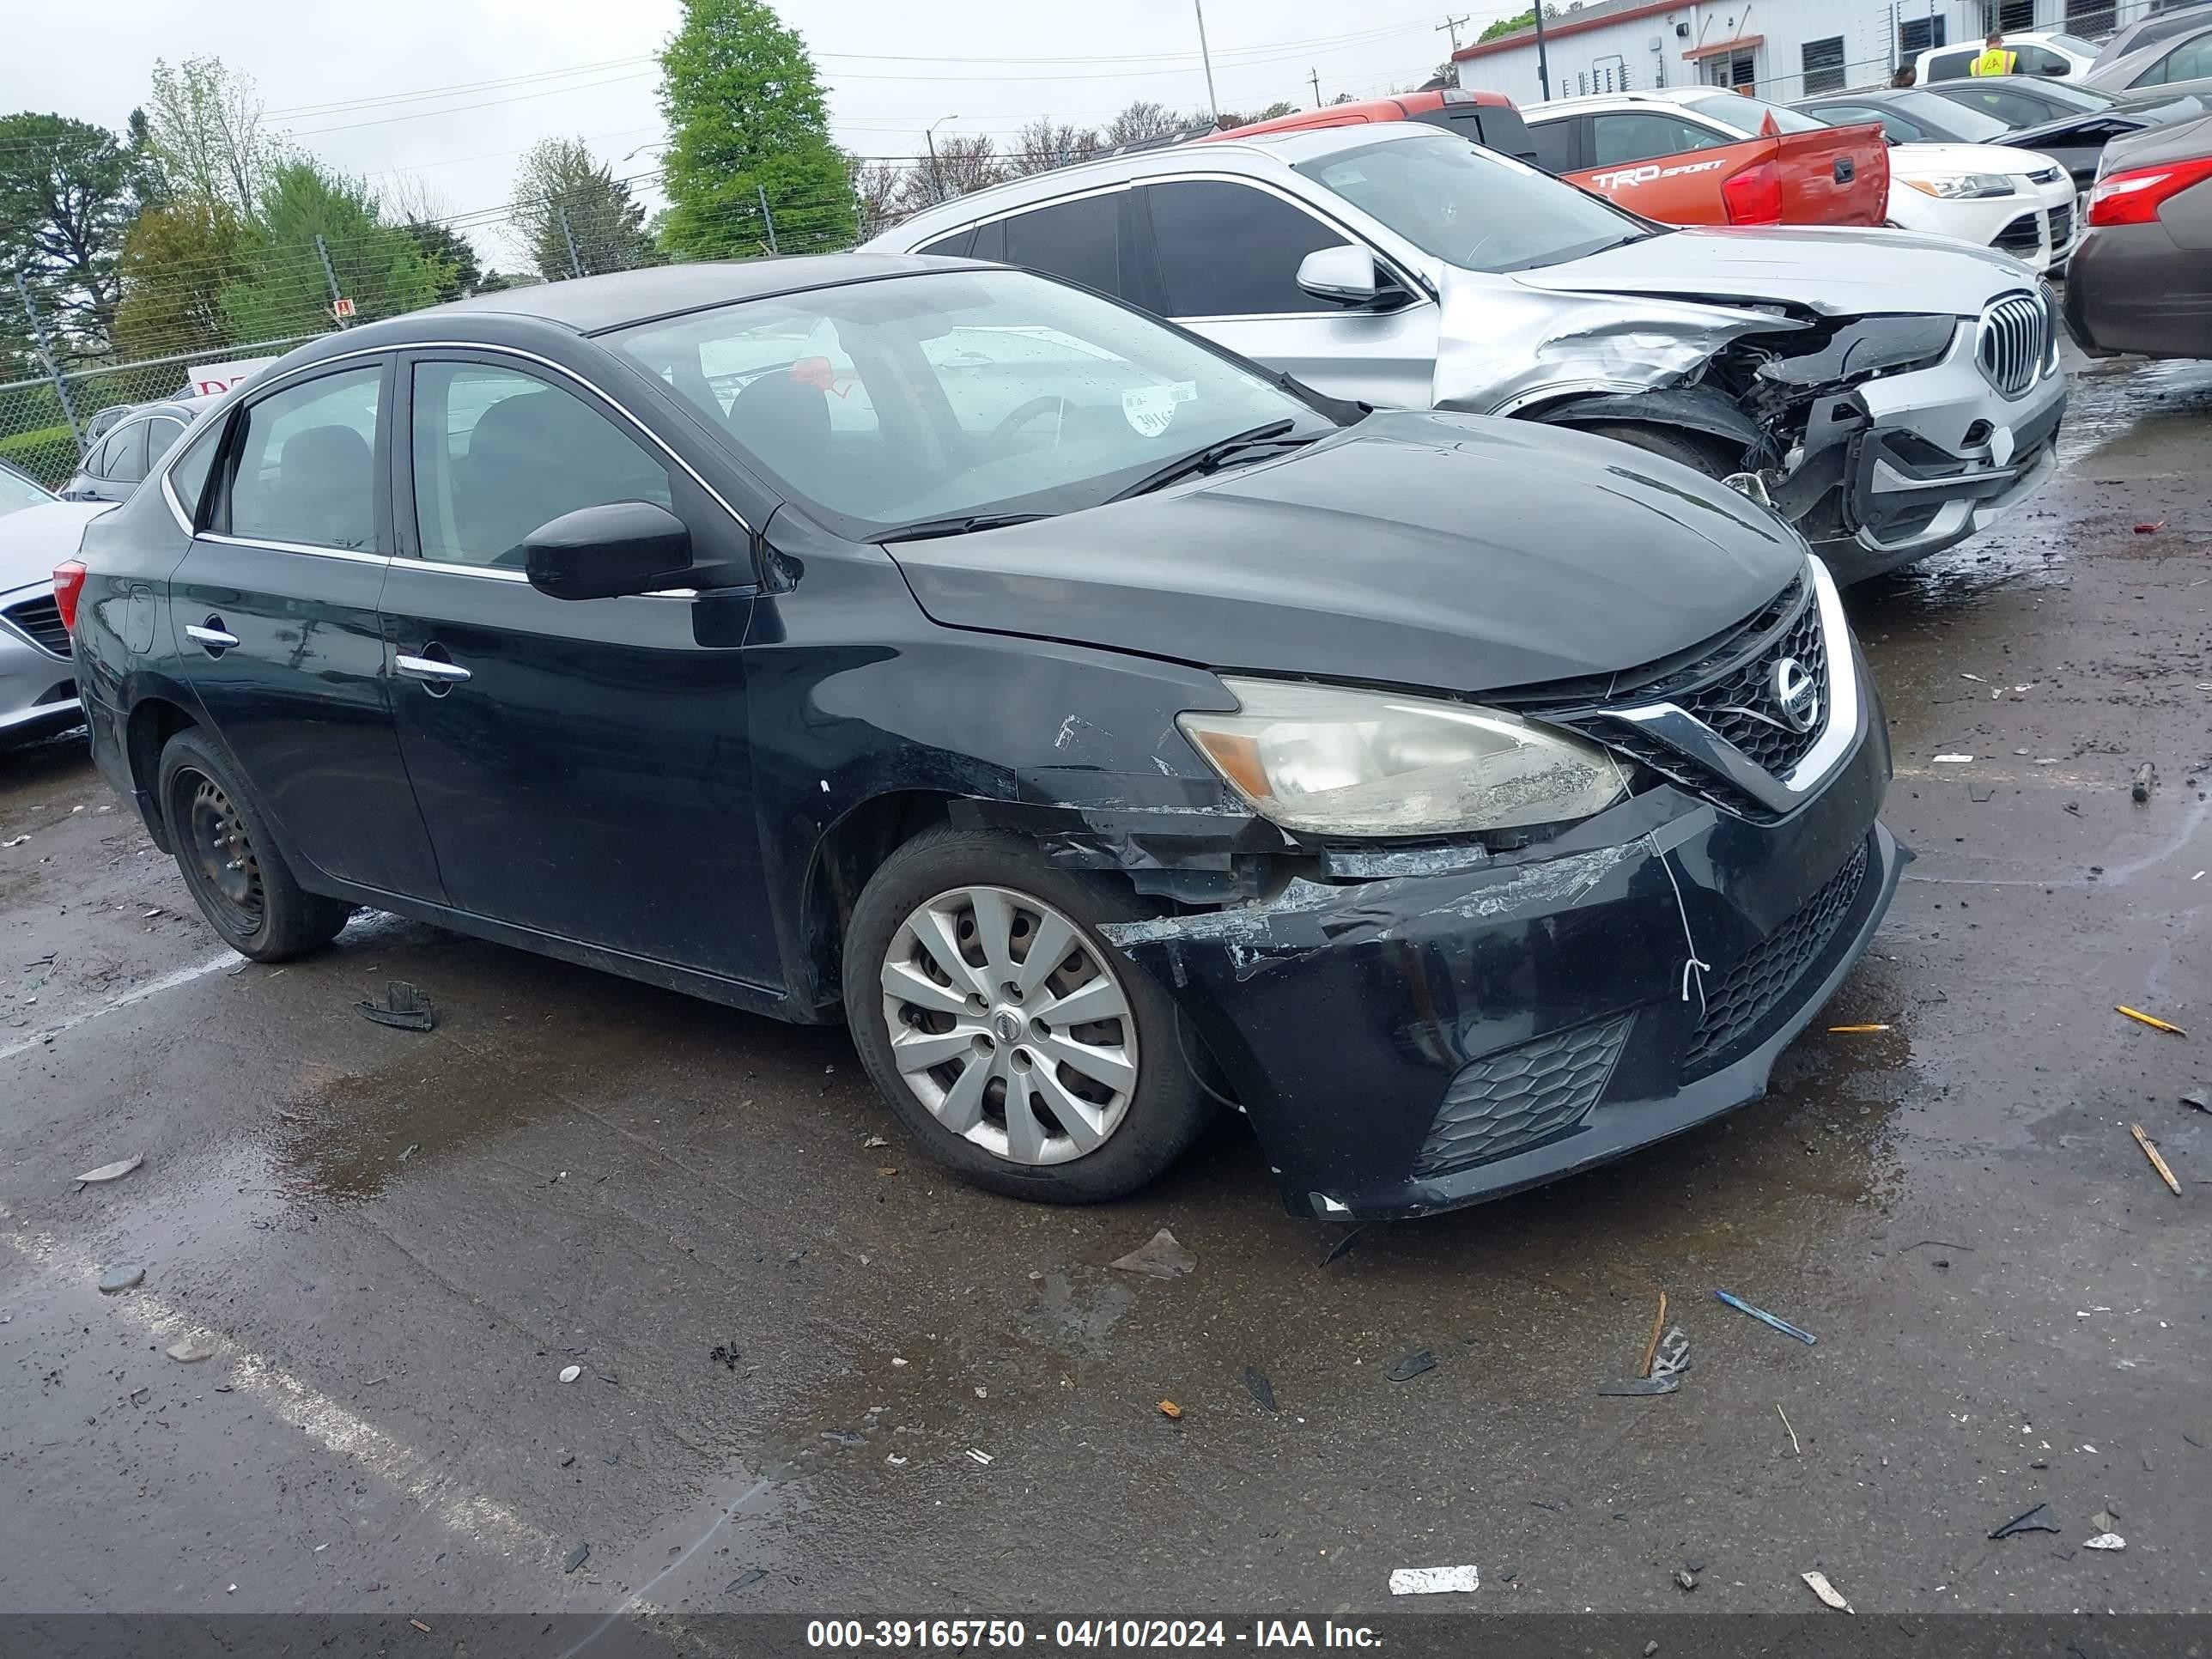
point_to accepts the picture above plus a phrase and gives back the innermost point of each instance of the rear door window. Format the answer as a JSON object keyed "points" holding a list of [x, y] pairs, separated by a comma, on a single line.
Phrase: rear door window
{"points": [[1558, 144], [1229, 249], [1079, 239], [162, 434], [2189, 62], [2041, 60], [306, 471], [1950, 65], [1639, 135], [123, 459], [957, 245]]}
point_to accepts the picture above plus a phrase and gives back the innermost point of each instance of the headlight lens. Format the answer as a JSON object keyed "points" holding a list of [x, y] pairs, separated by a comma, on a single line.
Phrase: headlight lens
{"points": [[1964, 187], [1334, 762]]}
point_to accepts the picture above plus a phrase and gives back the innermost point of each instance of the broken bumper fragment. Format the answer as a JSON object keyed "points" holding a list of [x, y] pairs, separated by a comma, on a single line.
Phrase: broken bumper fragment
{"points": [[1421, 1040]]}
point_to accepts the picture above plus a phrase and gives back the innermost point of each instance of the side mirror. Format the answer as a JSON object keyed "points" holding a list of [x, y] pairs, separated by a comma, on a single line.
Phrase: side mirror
{"points": [[603, 552], [1345, 274]]}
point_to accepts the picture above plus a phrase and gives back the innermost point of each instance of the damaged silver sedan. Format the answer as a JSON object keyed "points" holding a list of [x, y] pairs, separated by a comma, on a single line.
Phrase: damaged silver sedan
{"points": [[1890, 393]]}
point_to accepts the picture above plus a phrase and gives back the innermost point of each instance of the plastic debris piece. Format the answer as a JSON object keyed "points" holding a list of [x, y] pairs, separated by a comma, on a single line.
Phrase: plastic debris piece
{"points": [[1766, 1318], [17, 841], [1685, 1578], [570, 1373], [409, 1150], [1158, 1257], [120, 1279], [1343, 1246], [1169, 1410], [894, 1460], [2151, 1020], [419, 1626], [723, 1354], [873, 1142], [1852, 1030], [191, 1350], [1411, 1366], [2157, 1162], [2199, 1099], [748, 1578], [577, 1557], [1651, 1342], [1256, 1385], [1954, 760], [1818, 1583], [982, 1457], [2145, 775], [1435, 1581], [1977, 678], [1639, 1387], [2035, 1520], [404, 1007], [114, 1171], [2104, 1541], [1672, 1358], [2150, 527]]}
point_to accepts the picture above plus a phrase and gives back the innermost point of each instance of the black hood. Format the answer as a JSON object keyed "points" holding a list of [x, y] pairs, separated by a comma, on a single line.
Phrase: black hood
{"points": [[1415, 549]]}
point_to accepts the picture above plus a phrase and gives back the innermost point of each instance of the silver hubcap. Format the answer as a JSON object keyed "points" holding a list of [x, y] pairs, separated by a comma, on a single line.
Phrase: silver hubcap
{"points": [[1008, 1026]]}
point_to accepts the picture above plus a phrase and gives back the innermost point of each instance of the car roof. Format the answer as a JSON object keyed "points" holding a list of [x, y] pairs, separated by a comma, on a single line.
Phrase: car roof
{"points": [[2113, 74], [1678, 97], [1260, 155]]}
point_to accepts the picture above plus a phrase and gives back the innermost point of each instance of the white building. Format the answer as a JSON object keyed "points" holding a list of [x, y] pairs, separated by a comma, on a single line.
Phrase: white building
{"points": [[1782, 49]]}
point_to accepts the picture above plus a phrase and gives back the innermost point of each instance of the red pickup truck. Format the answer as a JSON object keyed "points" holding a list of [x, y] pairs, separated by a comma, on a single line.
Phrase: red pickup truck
{"points": [[1699, 155]]}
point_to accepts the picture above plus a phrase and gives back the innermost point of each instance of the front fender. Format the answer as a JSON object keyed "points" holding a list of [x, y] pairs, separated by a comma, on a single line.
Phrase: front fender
{"points": [[1701, 408]]}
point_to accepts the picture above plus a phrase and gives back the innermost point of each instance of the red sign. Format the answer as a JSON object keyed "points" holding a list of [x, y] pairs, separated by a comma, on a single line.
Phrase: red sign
{"points": [[341, 307]]}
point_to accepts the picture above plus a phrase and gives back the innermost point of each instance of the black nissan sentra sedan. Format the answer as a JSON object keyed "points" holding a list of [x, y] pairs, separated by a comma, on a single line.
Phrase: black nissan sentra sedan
{"points": [[1104, 728]]}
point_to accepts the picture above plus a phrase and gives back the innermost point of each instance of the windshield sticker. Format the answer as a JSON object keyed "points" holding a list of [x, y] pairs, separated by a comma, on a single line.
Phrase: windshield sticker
{"points": [[1150, 409]]}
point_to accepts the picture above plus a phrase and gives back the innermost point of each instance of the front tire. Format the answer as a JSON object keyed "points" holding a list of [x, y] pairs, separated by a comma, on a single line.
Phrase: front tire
{"points": [[237, 875], [1711, 456], [1016, 1045]]}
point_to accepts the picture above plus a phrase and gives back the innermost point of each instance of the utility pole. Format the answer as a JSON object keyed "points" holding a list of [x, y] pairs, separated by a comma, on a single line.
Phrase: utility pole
{"points": [[1206, 58], [1543, 74], [1450, 26], [936, 173], [1314, 75], [54, 365], [768, 217], [576, 259], [329, 277]]}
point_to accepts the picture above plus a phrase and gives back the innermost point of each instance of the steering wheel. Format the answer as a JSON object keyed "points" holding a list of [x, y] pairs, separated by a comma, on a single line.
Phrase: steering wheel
{"points": [[1046, 405]]}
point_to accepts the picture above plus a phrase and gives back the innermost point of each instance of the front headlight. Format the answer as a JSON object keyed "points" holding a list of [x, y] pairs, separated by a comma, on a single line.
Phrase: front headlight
{"points": [[1334, 762], [1964, 186]]}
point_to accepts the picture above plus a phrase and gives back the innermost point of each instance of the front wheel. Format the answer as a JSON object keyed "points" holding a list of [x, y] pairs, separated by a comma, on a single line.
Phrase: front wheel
{"points": [[1011, 1039], [1713, 457]]}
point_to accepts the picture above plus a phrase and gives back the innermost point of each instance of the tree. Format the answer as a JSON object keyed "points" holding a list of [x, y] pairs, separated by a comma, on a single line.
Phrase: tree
{"points": [[176, 262], [451, 253], [559, 180], [67, 192], [747, 118], [203, 129], [1505, 26], [381, 268], [1045, 144], [878, 190], [960, 166], [1143, 122]]}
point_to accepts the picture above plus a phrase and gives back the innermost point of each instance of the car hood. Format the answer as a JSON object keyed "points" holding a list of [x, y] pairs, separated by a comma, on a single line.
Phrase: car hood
{"points": [[1836, 272], [34, 539], [2009, 161], [1413, 549]]}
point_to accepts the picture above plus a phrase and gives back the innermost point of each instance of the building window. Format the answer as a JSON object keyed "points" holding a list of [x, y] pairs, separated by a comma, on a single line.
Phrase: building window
{"points": [[1824, 65], [1917, 34], [2007, 17], [2092, 18], [1733, 70]]}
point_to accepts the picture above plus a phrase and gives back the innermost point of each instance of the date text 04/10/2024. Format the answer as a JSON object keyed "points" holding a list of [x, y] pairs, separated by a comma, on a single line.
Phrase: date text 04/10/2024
{"points": [[1113, 1633]]}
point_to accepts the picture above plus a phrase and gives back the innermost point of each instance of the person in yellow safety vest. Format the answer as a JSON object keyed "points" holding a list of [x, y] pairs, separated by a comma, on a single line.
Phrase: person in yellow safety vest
{"points": [[1995, 60]]}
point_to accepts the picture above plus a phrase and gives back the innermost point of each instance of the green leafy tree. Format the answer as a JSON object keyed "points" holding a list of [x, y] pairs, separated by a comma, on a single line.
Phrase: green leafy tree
{"points": [[1505, 26], [205, 132], [177, 261], [746, 115], [67, 192], [558, 179], [451, 251], [381, 268]]}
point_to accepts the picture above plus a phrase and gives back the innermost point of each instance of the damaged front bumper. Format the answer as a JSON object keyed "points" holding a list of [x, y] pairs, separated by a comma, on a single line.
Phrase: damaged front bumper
{"points": [[1424, 1040]]}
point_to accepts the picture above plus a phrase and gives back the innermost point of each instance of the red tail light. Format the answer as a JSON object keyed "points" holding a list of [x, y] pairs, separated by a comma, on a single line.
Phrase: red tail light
{"points": [[2134, 196], [1753, 197], [69, 583]]}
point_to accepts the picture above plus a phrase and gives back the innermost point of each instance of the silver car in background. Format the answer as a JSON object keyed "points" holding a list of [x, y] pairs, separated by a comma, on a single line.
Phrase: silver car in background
{"points": [[37, 677], [1892, 393]]}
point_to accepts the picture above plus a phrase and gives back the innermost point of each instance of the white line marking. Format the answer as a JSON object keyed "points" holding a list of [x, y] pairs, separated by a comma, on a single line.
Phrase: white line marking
{"points": [[322, 1419], [151, 988], [635, 1601]]}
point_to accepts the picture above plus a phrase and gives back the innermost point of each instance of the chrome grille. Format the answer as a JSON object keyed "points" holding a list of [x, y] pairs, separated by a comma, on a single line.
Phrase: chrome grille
{"points": [[2014, 341], [1743, 706], [2044, 176], [39, 621]]}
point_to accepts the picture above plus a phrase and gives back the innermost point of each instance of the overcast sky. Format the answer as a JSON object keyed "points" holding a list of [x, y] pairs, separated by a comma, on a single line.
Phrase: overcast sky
{"points": [[893, 67]]}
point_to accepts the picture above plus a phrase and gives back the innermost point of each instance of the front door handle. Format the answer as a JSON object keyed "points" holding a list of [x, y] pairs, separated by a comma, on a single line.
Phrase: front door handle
{"points": [[439, 674], [211, 634]]}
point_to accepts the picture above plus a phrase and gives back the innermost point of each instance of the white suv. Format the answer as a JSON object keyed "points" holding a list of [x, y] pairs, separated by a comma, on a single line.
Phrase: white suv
{"points": [[2065, 55]]}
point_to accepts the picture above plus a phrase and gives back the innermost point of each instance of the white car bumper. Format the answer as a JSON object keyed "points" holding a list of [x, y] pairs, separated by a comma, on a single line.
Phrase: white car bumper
{"points": [[38, 682], [2037, 224]]}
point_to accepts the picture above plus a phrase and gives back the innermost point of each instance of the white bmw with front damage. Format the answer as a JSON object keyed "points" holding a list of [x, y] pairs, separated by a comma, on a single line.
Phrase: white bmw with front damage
{"points": [[1891, 393]]}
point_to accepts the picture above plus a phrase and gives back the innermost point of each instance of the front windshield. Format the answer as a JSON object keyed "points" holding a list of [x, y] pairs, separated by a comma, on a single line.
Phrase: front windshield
{"points": [[16, 491], [1962, 123], [1749, 115], [961, 393], [1473, 208]]}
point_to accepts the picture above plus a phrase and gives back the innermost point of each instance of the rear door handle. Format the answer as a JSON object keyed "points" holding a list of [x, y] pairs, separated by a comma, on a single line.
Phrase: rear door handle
{"points": [[212, 635], [432, 670]]}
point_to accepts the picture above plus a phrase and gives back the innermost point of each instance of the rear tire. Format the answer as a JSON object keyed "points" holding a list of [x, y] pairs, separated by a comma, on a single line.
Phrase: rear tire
{"points": [[1713, 457], [230, 861], [977, 1065]]}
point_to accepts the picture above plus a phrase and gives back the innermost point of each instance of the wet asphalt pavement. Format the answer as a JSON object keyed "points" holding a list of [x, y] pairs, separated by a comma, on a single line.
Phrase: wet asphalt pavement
{"points": [[395, 1242]]}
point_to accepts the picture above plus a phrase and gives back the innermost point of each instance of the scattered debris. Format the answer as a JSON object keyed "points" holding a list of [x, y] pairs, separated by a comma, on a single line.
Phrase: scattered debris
{"points": [[1411, 1366], [1819, 1584], [404, 1007], [1169, 1410], [114, 1171], [1649, 1647], [2145, 775], [2199, 1099], [2151, 1020], [419, 1626], [2035, 1520], [1766, 1318], [120, 1279], [1670, 1357], [1158, 1257], [2104, 1520], [894, 1460], [1855, 1030], [577, 1557], [1686, 1579], [1954, 760], [1343, 1246], [751, 1576], [191, 1350], [873, 1142], [1795, 1449], [570, 1373], [17, 841], [2157, 1162], [2104, 1541], [1256, 1385], [1977, 678], [1435, 1581], [982, 1457], [2150, 527], [409, 1150], [724, 1354], [897, 1362], [568, 1460], [1651, 1342]]}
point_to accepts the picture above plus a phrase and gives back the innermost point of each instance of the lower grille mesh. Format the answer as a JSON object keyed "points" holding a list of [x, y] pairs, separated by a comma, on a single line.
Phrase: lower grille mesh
{"points": [[1506, 1102], [1738, 1002]]}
